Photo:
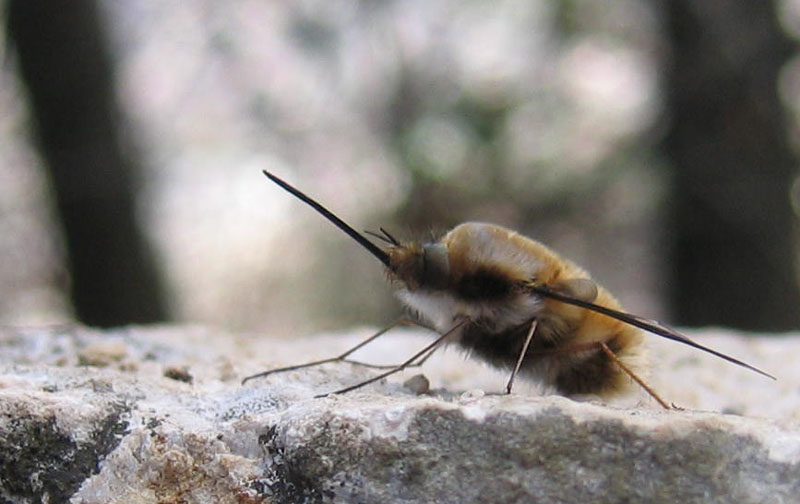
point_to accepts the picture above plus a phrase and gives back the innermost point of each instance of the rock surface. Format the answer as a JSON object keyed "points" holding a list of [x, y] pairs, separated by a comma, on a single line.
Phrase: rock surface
{"points": [[146, 415]]}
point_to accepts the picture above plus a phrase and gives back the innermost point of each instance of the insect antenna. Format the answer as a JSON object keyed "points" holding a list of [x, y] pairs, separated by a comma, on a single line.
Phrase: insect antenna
{"points": [[336, 221], [378, 236], [385, 237], [391, 238], [642, 323]]}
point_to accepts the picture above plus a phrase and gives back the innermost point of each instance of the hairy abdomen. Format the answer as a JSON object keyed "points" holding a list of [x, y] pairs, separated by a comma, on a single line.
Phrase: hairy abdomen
{"points": [[568, 372]]}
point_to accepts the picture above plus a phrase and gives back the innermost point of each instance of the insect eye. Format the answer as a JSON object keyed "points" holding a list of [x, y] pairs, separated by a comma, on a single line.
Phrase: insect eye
{"points": [[435, 265]]}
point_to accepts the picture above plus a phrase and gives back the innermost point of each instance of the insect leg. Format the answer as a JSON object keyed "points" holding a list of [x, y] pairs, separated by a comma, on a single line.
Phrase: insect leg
{"points": [[424, 358], [522, 353], [391, 366], [427, 350], [582, 347], [611, 355], [338, 358]]}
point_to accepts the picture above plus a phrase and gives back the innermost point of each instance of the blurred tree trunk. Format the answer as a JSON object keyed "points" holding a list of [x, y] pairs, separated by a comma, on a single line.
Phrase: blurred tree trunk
{"points": [[734, 230], [63, 63]]}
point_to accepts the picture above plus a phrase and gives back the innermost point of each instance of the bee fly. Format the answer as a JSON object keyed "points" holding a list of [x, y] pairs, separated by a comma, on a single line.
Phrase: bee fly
{"points": [[514, 303]]}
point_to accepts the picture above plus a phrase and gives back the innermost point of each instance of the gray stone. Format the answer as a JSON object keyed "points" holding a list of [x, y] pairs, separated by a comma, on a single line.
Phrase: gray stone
{"points": [[146, 415]]}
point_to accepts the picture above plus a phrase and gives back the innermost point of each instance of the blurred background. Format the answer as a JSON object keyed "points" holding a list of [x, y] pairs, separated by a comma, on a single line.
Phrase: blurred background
{"points": [[654, 143]]}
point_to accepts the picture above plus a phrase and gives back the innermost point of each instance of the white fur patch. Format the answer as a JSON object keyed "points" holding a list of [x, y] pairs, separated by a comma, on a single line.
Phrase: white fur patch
{"points": [[443, 310]]}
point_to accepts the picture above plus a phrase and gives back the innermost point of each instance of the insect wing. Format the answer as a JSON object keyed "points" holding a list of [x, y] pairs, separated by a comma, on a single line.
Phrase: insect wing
{"points": [[648, 325]]}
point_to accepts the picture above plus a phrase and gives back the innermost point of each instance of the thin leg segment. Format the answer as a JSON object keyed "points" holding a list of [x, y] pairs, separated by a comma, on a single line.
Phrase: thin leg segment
{"points": [[339, 358], [427, 350], [521, 357], [392, 366], [611, 355]]}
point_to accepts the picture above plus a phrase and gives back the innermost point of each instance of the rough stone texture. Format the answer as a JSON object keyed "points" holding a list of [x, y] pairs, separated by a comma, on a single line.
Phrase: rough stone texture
{"points": [[145, 415]]}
